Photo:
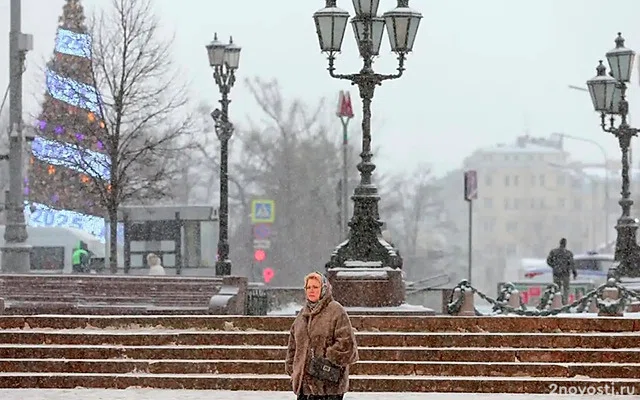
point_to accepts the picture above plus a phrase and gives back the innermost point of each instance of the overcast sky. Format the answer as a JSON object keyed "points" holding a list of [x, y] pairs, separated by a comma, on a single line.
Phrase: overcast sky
{"points": [[482, 72]]}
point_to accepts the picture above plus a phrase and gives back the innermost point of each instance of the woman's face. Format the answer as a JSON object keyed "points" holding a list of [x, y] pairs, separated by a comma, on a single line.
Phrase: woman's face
{"points": [[313, 289]]}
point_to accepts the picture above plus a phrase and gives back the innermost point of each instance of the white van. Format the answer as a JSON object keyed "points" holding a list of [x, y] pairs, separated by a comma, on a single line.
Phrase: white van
{"points": [[52, 248]]}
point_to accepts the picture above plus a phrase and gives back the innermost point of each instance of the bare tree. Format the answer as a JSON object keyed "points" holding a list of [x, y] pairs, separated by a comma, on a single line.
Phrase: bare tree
{"points": [[144, 109], [415, 198], [288, 155], [204, 173], [139, 114]]}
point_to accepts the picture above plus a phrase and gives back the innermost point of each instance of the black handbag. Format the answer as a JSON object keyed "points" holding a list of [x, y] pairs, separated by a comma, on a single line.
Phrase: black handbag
{"points": [[321, 368]]}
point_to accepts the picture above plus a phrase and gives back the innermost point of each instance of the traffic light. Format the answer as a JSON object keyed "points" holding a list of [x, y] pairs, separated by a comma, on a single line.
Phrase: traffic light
{"points": [[267, 274], [259, 255]]}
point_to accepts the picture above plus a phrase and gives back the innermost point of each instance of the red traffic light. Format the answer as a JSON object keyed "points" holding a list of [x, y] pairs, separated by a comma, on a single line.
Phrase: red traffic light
{"points": [[259, 255], [268, 274]]}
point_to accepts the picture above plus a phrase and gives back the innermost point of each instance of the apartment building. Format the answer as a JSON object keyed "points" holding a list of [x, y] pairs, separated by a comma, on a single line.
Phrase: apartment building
{"points": [[531, 194]]}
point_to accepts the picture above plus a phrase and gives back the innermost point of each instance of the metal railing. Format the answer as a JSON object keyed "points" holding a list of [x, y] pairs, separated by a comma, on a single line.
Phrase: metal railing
{"points": [[257, 302], [428, 283], [610, 299]]}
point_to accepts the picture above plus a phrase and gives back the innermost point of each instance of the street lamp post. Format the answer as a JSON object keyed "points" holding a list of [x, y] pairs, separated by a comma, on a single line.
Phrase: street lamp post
{"points": [[365, 242], [224, 59], [16, 252], [608, 94]]}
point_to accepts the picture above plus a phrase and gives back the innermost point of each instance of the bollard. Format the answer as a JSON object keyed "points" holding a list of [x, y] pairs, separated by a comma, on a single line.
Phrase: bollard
{"points": [[593, 305], [556, 302], [514, 299], [611, 294], [634, 307], [467, 309]]}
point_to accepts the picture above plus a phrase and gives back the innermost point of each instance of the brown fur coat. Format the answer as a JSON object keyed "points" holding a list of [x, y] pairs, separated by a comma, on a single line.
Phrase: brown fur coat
{"points": [[327, 330]]}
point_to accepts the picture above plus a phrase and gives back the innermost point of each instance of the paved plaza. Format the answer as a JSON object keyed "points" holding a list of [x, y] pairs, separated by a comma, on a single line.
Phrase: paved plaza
{"points": [[155, 394]]}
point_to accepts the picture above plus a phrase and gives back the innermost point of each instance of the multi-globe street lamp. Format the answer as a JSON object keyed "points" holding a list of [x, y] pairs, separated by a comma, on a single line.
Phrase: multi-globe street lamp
{"points": [[365, 242], [608, 94], [224, 59]]}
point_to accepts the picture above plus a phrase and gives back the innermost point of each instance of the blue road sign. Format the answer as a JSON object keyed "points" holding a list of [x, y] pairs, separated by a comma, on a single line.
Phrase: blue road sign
{"points": [[261, 231], [263, 211]]}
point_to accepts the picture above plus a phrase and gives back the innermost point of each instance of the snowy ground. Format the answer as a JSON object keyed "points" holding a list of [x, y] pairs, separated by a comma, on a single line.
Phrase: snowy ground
{"points": [[154, 394]]}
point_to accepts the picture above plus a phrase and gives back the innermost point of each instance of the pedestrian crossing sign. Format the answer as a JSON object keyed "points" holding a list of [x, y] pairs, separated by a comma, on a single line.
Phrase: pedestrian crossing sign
{"points": [[263, 211]]}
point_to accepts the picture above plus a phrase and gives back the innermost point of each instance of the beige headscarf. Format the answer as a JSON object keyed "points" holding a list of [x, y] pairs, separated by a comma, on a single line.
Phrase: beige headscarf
{"points": [[324, 283]]}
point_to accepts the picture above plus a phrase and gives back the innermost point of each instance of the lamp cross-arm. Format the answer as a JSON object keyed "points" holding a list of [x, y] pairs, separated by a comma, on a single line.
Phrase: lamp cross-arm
{"points": [[364, 75]]}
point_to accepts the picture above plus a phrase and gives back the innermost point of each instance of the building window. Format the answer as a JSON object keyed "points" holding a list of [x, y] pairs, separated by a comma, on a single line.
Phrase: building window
{"points": [[541, 180], [560, 180], [507, 181], [542, 204], [577, 204], [516, 180], [516, 203], [533, 180], [561, 202], [487, 180], [577, 183], [506, 204], [512, 226], [488, 224], [511, 249], [488, 202]]}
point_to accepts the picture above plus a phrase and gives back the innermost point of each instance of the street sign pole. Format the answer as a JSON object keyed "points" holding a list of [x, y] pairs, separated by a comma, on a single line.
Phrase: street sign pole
{"points": [[262, 219], [470, 194], [470, 238], [345, 113]]}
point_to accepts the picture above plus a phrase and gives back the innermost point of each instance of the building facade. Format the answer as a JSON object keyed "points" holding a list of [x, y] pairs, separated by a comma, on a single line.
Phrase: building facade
{"points": [[530, 194]]}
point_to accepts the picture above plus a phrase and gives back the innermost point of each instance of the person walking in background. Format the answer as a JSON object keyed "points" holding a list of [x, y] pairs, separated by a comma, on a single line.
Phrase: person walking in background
{"points": [[321, 346], [80, 259], [155, 265], [561, 262]]}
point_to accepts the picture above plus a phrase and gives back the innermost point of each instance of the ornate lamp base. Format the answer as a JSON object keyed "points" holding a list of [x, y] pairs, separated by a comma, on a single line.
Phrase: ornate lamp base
{"points": [[367, 287], [366, 270], [627, 250], [223, 268]]}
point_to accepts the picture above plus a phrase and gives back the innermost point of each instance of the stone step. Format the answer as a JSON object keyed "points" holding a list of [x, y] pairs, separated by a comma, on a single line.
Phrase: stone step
{"points": [[25, 296], [372, 383], [275, 367], [365, 339], [243, 352], [27, 279], [359, 322], [30, 308]]}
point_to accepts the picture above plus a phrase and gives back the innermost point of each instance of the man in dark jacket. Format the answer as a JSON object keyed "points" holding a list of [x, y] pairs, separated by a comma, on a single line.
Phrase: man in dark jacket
{"points": [[561, 262]]}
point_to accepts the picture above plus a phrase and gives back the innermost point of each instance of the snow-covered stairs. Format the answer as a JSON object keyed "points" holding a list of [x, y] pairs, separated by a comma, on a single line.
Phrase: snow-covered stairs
{"points": [[412, 354]]}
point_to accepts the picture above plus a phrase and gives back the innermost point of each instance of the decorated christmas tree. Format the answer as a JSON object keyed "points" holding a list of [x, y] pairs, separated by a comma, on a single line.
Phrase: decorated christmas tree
{"points": [[68, 153]]}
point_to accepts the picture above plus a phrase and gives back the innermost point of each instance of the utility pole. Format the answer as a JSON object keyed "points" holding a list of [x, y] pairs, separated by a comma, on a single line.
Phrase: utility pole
{"points": [[15, 253]]}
